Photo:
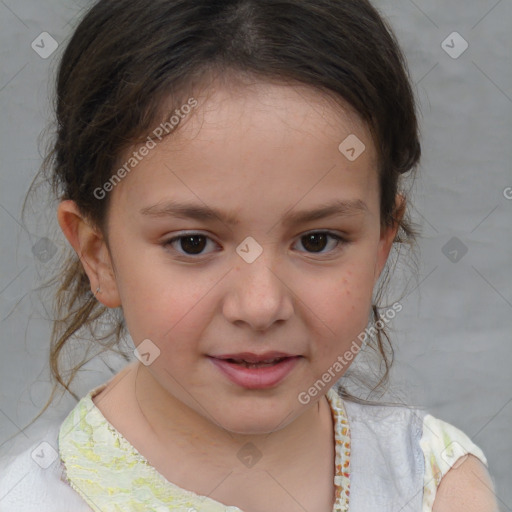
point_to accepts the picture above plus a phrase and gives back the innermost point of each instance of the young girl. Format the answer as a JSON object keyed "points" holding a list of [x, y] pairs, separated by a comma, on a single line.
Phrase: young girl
{"points": [[229, 177]]}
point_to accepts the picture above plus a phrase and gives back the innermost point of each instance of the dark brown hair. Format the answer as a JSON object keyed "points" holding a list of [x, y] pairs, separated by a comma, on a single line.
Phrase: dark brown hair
{"points": [[127, 58]]}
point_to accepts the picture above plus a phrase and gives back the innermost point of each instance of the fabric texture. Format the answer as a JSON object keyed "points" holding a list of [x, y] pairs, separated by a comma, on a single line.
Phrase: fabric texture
{"points": [[101, 463], [387, 459], [29, 484]]}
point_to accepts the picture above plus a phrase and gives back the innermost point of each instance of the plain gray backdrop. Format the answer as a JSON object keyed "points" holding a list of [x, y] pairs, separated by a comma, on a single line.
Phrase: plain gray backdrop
{"points": [[452, 339]]}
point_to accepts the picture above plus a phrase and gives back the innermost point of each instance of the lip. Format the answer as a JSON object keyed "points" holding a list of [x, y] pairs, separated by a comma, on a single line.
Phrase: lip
{"points": [[255, 358], [256, 378]]}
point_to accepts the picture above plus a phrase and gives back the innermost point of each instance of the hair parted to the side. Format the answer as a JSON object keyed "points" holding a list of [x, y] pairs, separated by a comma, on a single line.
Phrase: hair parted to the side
{"points": [[128, 58]]}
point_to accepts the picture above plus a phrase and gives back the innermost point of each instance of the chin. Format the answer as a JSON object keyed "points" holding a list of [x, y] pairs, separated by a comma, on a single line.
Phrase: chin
{"points": [[244, 429], [249, 425]]}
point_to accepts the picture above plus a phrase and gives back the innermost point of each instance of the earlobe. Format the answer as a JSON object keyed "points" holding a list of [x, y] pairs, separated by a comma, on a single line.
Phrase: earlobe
{"points": [[91, 248]]}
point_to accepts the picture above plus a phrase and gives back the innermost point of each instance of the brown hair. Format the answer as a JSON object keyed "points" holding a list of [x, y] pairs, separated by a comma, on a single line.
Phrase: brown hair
{"points": [[127, 57]]}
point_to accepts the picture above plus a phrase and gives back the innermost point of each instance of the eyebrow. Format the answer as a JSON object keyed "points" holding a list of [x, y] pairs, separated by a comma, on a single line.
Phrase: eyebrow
{"points": [[203, 213]]}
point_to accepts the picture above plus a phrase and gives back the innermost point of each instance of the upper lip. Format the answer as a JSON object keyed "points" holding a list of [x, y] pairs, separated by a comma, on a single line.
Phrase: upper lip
{"points": [[254, 358]]}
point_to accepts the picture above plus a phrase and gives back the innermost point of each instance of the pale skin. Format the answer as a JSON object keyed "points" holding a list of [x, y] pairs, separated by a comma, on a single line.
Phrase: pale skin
{"points": [[281, 158]]}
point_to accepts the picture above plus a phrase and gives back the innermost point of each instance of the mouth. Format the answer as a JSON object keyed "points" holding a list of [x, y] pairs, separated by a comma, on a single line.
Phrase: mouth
{"points": [[261, 364], [255, 372], [249, 359]]}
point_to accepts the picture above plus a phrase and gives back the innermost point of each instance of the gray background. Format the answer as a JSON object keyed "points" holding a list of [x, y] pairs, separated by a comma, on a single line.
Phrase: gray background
{"points": [[452, 338]]}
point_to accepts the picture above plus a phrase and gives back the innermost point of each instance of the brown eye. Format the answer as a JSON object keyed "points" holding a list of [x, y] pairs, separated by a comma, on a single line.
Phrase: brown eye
{"points": [[193, 244], [188, 245], [318, 241]]}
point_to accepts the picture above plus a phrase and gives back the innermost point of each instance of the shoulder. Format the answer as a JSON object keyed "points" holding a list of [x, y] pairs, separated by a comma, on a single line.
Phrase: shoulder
{"points": [[32, 481], [451, 468], [467, 487], [456, 474]]}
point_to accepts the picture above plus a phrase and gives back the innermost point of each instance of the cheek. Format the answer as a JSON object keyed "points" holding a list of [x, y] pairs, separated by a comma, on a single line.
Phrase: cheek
{"points": [[158, 303], [339, 307]]}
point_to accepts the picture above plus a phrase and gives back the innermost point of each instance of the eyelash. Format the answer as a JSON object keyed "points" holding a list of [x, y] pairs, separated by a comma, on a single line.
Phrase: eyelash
{"points": [[340, 241]]}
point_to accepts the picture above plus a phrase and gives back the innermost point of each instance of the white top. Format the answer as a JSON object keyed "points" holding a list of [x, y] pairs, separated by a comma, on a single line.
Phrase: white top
{"points": [[387, 459]]}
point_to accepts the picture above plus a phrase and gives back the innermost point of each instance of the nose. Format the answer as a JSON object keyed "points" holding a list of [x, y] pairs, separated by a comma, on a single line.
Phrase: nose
{"points": [[257, 295]]}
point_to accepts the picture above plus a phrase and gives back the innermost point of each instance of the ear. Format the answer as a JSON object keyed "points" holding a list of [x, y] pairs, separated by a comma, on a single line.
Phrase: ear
{"points": [[92, 250], [388, 234]]}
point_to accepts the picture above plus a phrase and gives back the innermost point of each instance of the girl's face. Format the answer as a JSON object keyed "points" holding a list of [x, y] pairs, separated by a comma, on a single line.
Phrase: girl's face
{"points": [[256, 269]]}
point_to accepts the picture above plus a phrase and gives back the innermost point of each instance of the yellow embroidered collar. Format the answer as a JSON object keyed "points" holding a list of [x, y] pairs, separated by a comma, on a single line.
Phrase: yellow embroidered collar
{"points": [[112, 476]]}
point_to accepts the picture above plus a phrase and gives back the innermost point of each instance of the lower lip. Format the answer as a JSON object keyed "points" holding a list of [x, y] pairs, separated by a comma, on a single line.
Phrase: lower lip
{"points": [[256, 378]]}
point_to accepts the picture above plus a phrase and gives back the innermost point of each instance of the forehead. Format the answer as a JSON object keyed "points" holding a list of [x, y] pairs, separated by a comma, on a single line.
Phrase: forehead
{"points": [[247, 142], [269, 108]]}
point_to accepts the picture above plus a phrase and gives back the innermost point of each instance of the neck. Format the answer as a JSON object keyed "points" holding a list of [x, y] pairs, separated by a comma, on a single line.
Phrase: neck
{"points": [[175, 424]]}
